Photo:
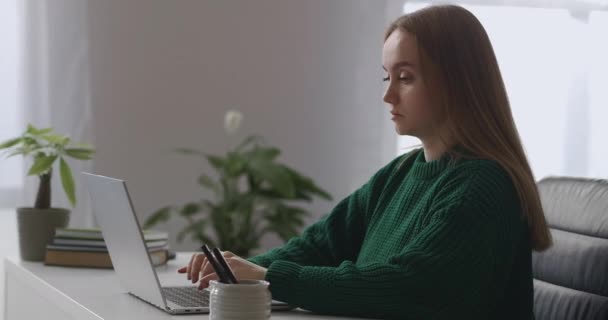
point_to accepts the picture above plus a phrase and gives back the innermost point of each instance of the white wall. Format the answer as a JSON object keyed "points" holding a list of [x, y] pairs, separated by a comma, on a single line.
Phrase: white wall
{"points": [[305, 73]]}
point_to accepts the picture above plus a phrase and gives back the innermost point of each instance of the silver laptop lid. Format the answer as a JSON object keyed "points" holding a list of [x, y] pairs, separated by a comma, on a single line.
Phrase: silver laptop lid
{"points": [[115, 215]]}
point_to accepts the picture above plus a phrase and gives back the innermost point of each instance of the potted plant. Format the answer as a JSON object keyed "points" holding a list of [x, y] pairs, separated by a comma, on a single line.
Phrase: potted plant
{"points": [[253, 194], [37, 224]]}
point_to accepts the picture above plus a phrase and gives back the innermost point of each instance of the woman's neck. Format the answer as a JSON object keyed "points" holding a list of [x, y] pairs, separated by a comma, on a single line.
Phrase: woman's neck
{"points": [[433, 149]]}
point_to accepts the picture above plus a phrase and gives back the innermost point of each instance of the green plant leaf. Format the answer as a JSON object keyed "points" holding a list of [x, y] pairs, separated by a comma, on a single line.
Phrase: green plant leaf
{"points": [[210, 205], [29, 141], [83, 146], [67, 181], [161, 215], [190, 209], [276, 175], [273, 194], [10, 143], [28, 149], [190, 151], [36, 132], [307, 191], [306, 184], [248, 141], [234, 164], [206, 181], [284, 220], [302, 195], [56, 139], [264, 154], [268, 152], [17, 151], [223, 225], [41, 165], [80, 153], [215, 161]]}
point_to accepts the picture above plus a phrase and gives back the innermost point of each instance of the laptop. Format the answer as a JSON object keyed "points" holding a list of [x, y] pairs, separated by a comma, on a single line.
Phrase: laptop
{"points": [[113, 210]]}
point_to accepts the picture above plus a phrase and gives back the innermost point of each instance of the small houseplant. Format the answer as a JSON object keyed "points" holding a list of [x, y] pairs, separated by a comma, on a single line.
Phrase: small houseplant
{"points": [[37, 224], [253, 193]]}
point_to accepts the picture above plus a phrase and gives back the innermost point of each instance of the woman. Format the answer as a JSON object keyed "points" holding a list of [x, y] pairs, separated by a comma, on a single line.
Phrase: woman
{"points": [[445, 231]]}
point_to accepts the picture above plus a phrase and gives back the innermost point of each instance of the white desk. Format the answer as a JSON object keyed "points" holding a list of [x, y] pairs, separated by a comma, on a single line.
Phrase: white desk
{"points": [[36, 291]]}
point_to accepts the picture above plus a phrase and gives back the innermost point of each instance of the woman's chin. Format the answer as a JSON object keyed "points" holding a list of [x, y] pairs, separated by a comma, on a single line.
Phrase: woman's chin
{"points": [[405, 132], [401, 131]]}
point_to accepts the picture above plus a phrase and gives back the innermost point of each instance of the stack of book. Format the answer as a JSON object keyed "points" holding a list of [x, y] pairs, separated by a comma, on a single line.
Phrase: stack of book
{"points": [[86, 248]]}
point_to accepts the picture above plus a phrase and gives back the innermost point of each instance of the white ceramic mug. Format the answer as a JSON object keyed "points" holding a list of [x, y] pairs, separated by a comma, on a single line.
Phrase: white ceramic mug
{"points": [[249, 299]]}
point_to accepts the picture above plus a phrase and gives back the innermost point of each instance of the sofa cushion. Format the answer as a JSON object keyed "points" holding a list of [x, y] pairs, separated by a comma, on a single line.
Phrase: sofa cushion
{"points": [[571, 277]]}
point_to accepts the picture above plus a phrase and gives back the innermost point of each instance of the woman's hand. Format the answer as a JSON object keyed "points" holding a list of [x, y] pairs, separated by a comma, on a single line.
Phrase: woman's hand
{"points": [[200, 270]]}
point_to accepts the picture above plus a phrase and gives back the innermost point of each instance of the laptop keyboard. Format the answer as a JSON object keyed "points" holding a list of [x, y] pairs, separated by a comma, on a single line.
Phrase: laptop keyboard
{"points": [[187, 297]]}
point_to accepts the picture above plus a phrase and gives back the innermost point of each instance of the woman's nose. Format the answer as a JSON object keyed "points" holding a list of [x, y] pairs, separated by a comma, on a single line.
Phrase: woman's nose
{"points": [[389, 96]]}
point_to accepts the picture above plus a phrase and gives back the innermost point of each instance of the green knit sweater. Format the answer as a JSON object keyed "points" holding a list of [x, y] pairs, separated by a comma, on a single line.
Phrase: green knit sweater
{"points": [[420, 240]]}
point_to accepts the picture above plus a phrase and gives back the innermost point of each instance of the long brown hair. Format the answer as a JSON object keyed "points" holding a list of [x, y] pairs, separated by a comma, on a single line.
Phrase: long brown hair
{"points": [[472, 104]]}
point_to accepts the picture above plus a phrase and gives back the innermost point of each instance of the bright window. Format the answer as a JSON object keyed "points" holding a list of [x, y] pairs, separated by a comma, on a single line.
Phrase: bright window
{"points": [[554, 65], [10, 169]]}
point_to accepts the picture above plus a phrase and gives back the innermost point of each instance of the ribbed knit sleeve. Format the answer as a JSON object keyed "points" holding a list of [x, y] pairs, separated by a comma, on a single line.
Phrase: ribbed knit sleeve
{"points": [[338, 235], [456, 267]]}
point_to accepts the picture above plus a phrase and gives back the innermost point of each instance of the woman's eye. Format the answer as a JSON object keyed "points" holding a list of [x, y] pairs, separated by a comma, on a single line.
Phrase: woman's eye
{"points": [[404, 76]]}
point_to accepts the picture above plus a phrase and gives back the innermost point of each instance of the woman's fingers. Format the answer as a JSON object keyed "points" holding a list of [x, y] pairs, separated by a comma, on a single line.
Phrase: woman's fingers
{"points": [[189, 267], [206, 269], [204, 283], [197, 263], [200, 270]]}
